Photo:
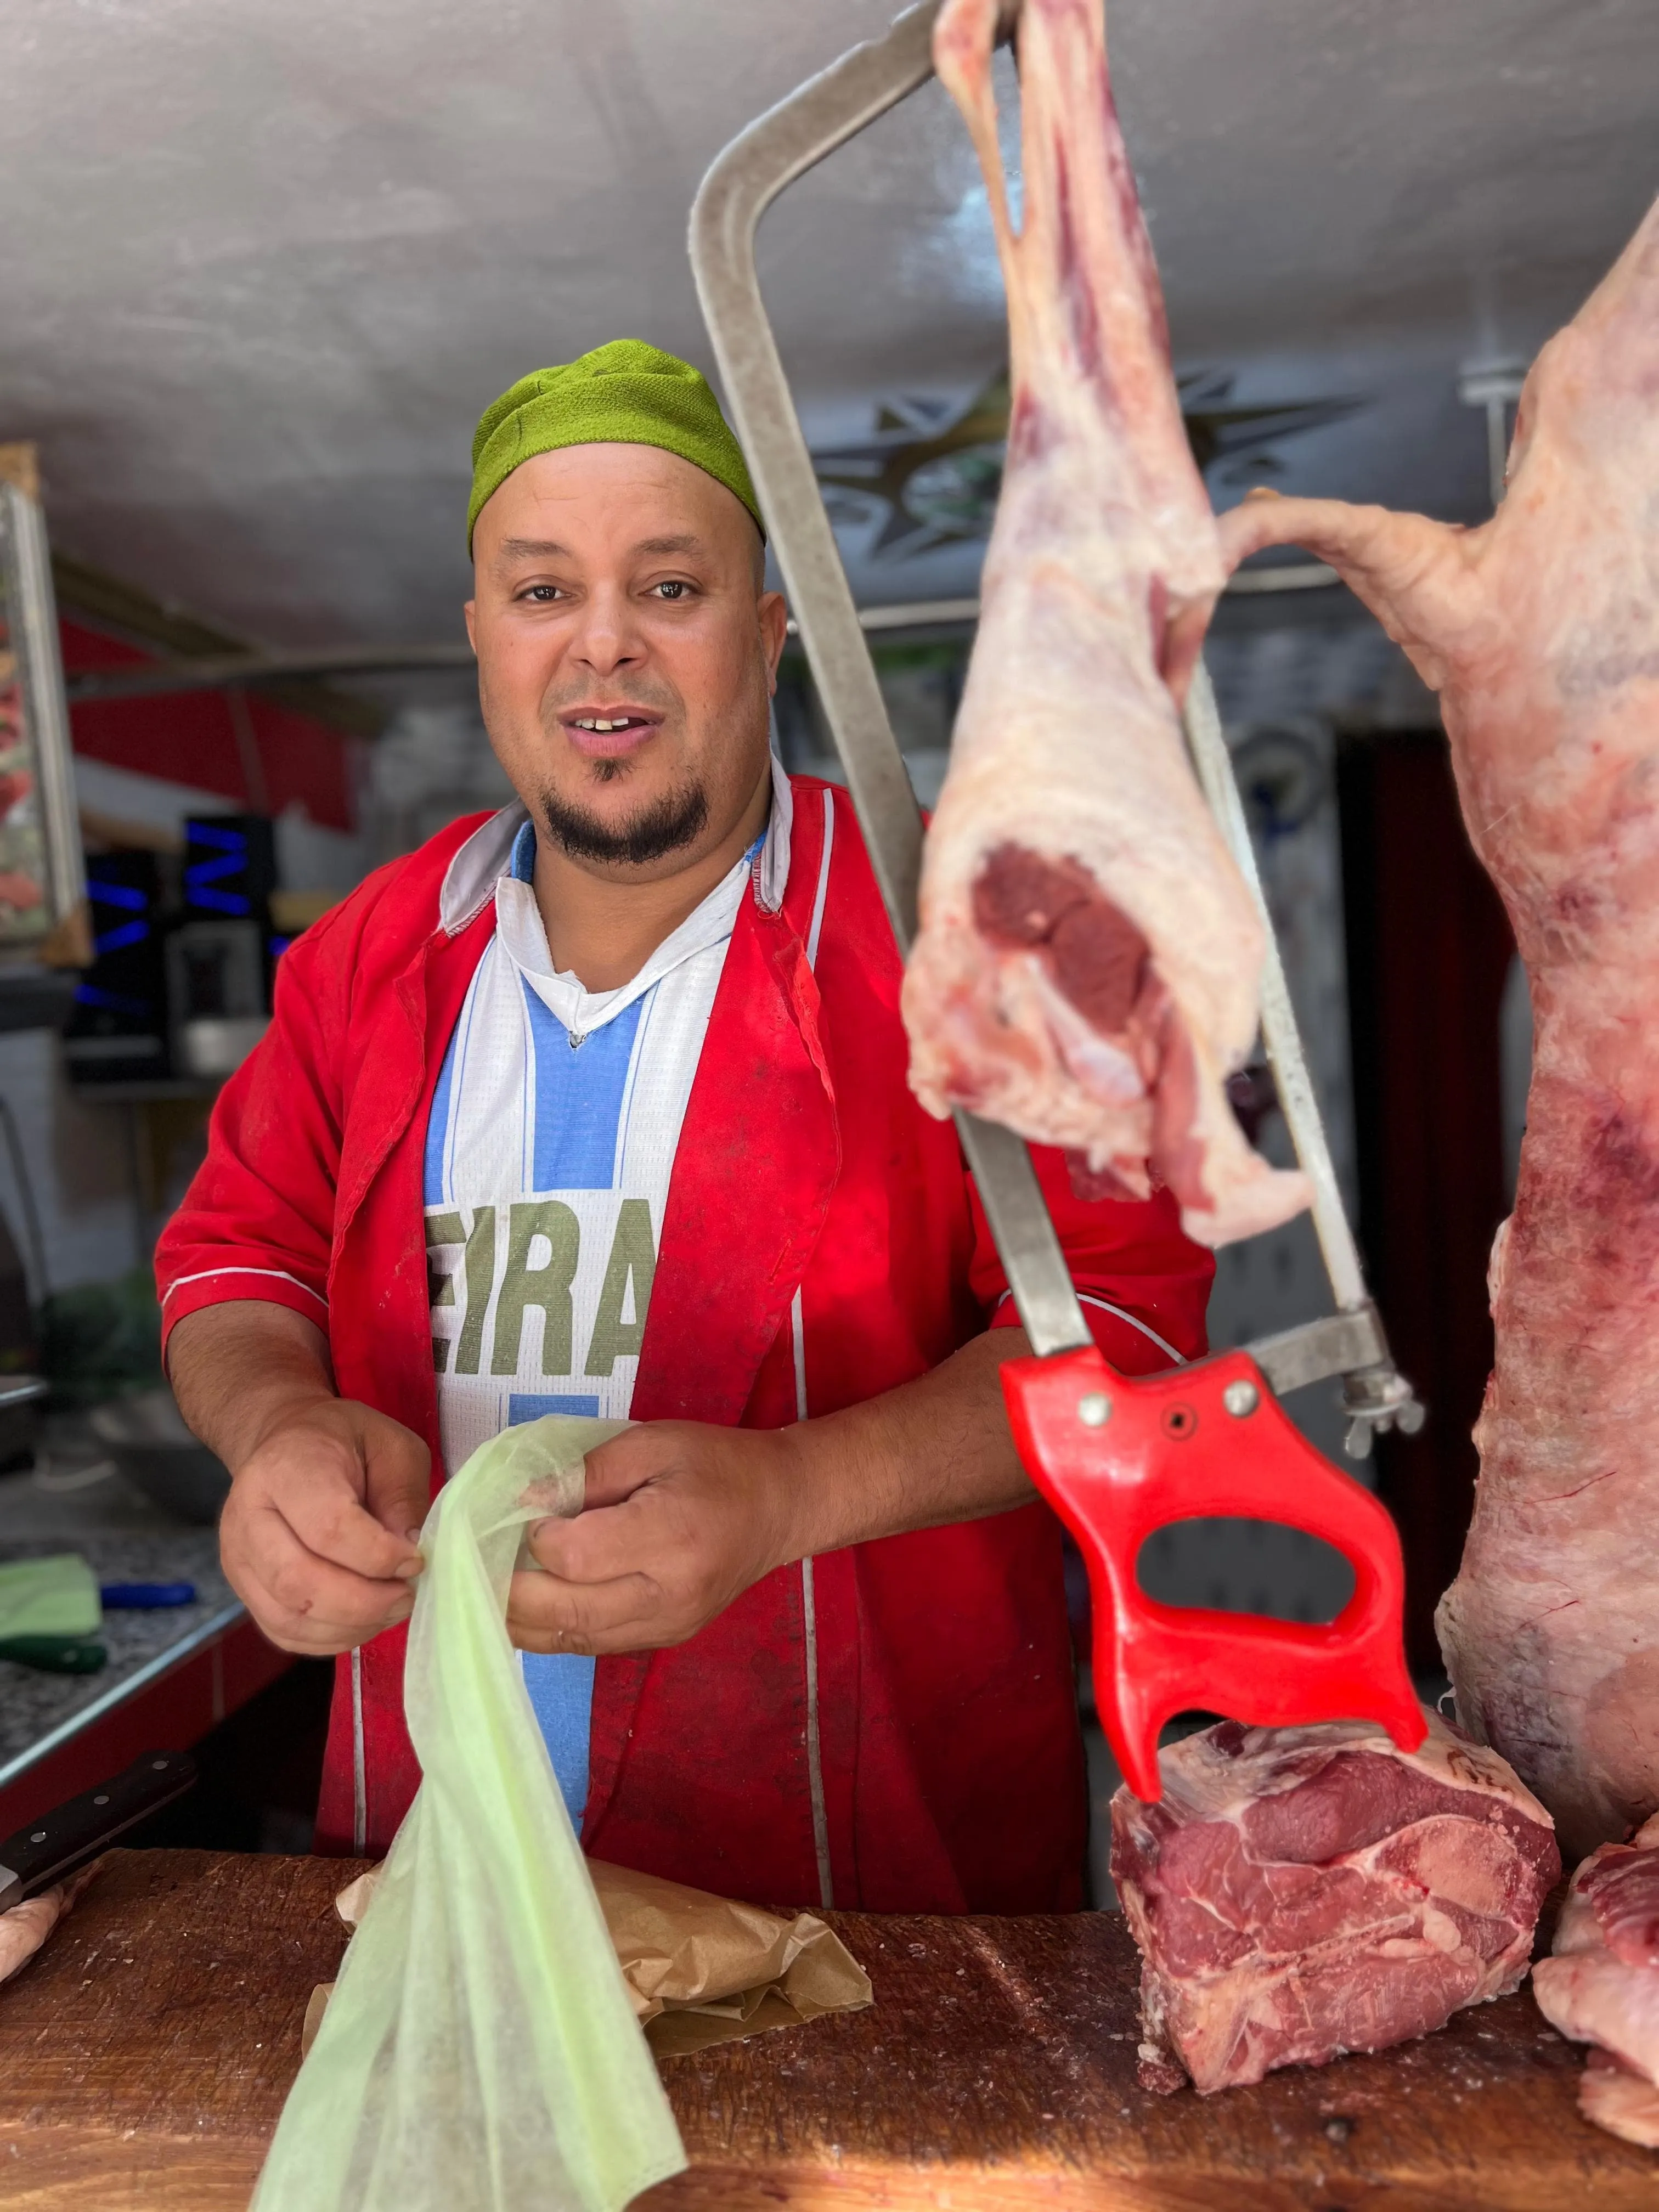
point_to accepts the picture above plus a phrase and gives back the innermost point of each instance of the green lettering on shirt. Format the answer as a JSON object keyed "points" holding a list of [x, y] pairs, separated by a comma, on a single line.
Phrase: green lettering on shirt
{"points": [[547, 1286], [441, 1230], [633, 1259], [480, 1276]]}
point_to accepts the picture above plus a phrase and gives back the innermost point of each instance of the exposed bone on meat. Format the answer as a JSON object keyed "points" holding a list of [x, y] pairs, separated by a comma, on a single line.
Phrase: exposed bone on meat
{"points": [[1540, 632], [1300, 1893], [1088, 963], [1601, 1984]]}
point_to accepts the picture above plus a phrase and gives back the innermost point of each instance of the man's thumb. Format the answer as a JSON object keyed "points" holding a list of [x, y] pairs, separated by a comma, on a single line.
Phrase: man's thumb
{"points": [[398, 1480]]}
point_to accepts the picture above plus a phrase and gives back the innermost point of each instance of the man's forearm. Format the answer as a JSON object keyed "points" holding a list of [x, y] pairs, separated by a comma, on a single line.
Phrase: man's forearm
{"points": [[237, 1369], [934, 1450]]}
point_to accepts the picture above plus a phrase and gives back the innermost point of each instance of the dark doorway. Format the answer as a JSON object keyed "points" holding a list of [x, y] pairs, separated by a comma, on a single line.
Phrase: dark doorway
{"points": [[1429, 948]]}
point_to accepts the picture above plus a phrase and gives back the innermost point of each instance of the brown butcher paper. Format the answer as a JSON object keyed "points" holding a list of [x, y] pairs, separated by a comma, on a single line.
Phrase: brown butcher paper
{"points": [[704, 1969], [700, 1969]]}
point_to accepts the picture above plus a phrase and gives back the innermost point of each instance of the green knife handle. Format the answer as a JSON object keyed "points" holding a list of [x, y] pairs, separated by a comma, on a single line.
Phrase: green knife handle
{"points": [[55, 1655]]}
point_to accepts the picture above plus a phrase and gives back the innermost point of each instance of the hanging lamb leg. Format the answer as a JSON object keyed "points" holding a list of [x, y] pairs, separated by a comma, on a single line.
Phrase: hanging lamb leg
{"points": [[1089, 958]]}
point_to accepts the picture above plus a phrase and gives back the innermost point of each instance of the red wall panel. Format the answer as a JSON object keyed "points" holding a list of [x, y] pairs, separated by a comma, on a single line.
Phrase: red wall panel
{"points": [[190, 738]]}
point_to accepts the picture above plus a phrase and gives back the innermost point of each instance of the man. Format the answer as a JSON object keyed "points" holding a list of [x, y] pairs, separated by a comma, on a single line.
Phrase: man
{"points": [[600, 1105]]}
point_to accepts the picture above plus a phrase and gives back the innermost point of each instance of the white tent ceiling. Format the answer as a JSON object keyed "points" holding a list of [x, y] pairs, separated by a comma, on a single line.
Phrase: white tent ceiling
{"points": [[262, 266]]}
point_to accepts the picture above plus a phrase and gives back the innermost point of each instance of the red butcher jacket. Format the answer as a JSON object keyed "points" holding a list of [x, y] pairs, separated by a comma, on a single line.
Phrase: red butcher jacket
{"points": [[892, 1727]]}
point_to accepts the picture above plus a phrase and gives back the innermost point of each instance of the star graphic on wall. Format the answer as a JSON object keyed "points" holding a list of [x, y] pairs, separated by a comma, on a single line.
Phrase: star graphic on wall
{"points": [[929, 475]]}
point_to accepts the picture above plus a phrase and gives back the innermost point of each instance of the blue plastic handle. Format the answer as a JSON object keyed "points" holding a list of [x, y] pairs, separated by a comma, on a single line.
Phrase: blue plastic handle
{"points": [[145, 1597]]}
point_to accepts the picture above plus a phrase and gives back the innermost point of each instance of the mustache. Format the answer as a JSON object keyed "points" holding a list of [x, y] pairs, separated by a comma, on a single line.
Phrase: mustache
{"points": [[646, 691]]}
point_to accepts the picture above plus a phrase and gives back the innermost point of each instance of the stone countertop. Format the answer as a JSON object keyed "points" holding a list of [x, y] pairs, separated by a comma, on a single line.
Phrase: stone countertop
{"points": [[123, 1538]]}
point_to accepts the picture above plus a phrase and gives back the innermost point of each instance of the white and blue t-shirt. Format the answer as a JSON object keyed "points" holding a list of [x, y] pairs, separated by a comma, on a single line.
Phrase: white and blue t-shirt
{"points": [[549, 1152]]}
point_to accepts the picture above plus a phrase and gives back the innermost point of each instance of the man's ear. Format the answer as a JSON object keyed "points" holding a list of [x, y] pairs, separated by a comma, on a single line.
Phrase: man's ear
{"points": [[773, 613], [470, 611]]}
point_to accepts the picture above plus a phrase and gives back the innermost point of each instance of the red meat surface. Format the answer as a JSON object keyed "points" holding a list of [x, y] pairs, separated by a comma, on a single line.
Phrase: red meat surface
{"points": [[1300, 1893]]}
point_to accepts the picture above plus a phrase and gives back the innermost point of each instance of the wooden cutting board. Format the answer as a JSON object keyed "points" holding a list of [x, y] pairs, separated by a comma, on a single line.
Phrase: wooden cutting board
{"points": [[145, 2055]]}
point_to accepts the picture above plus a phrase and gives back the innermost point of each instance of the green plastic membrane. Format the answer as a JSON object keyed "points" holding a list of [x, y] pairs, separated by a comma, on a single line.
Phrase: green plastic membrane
{"points": [[480, 2052]]}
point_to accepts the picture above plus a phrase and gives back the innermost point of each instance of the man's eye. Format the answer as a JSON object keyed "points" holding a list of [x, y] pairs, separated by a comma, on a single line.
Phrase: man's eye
{"points": [[543, 593], [671, 588]]}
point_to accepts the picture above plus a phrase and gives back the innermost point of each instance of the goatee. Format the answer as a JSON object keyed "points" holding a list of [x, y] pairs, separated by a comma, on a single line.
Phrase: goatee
{"points": [[675, 820]]}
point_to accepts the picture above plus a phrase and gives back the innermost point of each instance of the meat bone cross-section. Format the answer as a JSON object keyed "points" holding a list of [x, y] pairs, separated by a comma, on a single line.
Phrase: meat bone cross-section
{"points": [[1300, 1893], [1601, 1986], [1540, 632], [1088, 966]]}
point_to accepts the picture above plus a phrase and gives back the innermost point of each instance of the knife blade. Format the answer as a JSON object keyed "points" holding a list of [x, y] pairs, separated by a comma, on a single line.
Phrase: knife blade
{"points": [[45, 1849]]}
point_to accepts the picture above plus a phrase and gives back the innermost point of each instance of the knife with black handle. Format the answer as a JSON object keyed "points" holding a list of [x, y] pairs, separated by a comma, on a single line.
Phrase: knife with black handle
{"points": [[54, 1846]]}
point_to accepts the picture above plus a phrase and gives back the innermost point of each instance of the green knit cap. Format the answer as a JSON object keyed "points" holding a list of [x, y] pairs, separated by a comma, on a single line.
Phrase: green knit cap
{"points": [[626, 393]]}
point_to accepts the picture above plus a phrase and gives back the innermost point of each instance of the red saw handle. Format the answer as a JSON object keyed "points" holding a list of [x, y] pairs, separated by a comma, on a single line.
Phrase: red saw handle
{"points": [[1119, 1456]]}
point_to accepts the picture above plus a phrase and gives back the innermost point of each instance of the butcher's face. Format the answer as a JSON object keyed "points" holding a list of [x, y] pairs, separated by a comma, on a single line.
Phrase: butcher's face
{"points": [[628, 651]]}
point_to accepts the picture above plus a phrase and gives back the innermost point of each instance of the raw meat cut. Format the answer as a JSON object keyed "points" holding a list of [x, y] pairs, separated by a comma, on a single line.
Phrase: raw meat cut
{"points": [[1298, 1892], [1601, 1985], [1540, 632], [1088, 962], [26, 1926], [1623, 2103]]}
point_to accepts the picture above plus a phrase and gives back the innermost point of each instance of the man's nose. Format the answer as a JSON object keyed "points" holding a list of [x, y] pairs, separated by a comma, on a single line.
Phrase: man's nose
{"points": [[608, 634]]}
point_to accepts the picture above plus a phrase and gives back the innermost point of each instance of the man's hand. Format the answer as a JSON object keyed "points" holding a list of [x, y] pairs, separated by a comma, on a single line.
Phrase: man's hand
{"points": [[327, 1496], [318, 1534], [680, 1518]]}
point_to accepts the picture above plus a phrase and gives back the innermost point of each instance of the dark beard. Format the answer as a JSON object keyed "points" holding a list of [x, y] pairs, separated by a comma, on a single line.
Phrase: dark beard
{"points": [[669, 823]]}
